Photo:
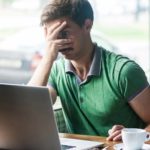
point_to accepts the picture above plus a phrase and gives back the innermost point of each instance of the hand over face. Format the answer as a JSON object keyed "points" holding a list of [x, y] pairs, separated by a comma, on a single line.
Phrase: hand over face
{"points": [[115, 133], [53, 43]]}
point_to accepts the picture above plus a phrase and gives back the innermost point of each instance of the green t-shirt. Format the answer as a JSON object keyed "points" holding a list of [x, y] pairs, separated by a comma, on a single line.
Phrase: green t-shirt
{"points": [[93, 106]]}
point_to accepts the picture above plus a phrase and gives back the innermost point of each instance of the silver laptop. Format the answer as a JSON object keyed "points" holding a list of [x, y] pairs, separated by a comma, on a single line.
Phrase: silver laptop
{"points": [[27, 121]]}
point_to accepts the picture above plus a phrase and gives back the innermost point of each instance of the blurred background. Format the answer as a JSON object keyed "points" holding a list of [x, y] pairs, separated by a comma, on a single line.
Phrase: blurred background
{"points": [[122, 26]]}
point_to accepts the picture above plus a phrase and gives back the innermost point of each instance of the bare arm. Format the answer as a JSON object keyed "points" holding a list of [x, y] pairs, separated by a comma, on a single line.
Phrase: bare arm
{"points": [[141, 105], [41, 74], [53, 94], [40, 77], [53, 45]]}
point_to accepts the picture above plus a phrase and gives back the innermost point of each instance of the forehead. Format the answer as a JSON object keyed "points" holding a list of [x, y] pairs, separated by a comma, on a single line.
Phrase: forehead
{"points": [[69, 22]]}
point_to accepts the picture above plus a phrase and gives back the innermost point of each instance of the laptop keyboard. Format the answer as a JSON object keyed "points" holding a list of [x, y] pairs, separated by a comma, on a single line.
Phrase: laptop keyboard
{"points": [[65, 147]]}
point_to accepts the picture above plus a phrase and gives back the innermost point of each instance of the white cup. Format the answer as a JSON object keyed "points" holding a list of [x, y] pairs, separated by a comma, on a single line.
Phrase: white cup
{"points": [[133, 138]]}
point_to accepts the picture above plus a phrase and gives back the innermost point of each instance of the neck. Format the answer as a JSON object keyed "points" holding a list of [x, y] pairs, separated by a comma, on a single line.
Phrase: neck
{"points": [[82, 66]]}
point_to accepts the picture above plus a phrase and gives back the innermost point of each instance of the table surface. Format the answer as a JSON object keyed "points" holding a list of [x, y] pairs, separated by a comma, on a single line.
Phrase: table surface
{"points": [[92, 138]]}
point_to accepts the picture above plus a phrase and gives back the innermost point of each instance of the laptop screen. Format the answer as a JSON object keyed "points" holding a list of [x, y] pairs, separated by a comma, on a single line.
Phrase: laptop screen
{"points": [[27, 119]]}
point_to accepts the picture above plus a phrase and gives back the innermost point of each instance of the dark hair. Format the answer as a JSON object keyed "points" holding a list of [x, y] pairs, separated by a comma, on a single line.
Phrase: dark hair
{"points": [[77, 10]]}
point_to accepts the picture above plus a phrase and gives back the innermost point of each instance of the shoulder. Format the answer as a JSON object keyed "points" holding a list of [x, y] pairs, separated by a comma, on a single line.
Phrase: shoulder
{"points": [[59, 63], [58, 67], [131, 73], [112, 61], [125, 69], [112, 57], [128, 77], [131, 79], [56, 72], [118, 62], [132, 70]]}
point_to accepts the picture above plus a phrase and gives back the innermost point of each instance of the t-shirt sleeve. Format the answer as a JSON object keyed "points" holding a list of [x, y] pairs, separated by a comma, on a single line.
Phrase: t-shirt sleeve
{"points": [[132, 80]]}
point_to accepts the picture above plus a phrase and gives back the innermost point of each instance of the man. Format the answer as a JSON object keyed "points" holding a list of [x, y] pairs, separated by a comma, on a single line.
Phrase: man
{"points": [[98, 89]]}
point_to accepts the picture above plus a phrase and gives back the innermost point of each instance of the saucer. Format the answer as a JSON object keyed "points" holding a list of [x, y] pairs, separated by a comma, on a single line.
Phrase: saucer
{"points": [[120, 146]]}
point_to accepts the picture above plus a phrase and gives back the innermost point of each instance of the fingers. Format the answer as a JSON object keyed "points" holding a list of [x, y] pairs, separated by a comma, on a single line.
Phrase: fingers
{"points": [[115, 136], [63, 43], [53, 44], [54, 30], [115, 133], [115, 128]]}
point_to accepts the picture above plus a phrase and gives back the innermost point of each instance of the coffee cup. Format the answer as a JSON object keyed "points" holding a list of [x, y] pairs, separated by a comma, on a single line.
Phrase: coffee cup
{"points": [[134, 138]]}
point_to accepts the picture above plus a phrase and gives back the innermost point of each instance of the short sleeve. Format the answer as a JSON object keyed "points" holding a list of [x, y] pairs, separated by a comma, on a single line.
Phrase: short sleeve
{"points": [[132, 80]]}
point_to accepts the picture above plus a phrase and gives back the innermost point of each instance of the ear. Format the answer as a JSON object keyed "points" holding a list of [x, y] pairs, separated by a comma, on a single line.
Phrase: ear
{"points": [[88, 25]]}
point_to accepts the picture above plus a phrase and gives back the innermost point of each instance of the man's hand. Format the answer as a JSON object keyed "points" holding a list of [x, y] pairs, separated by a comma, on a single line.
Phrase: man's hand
{"points": [[115, 133], [53, 43]]}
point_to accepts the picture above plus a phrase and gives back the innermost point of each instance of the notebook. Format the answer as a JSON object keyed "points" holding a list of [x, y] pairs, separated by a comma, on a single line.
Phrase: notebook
{"points": [[27, 121]]}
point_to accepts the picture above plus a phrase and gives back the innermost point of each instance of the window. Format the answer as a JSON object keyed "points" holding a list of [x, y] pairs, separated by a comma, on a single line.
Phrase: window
{"points": [[121, 26]]}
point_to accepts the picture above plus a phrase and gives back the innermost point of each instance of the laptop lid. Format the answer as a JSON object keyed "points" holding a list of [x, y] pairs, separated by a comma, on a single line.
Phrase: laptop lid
{"points": [[26, 119]]}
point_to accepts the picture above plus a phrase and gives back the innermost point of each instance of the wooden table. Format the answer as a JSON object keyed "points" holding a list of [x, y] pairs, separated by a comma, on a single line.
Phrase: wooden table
{"points": [[92, 138]]}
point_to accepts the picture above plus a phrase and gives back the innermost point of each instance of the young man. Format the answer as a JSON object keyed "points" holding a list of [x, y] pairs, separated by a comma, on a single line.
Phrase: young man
{"points": [[98, 89]]}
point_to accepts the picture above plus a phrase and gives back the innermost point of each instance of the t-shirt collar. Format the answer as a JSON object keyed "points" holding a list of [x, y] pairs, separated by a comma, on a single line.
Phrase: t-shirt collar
{"points": [[95, 68]]}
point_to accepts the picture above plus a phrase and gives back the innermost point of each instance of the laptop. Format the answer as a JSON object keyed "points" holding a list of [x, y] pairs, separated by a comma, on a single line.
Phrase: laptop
{"points": [[27, 121]]}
